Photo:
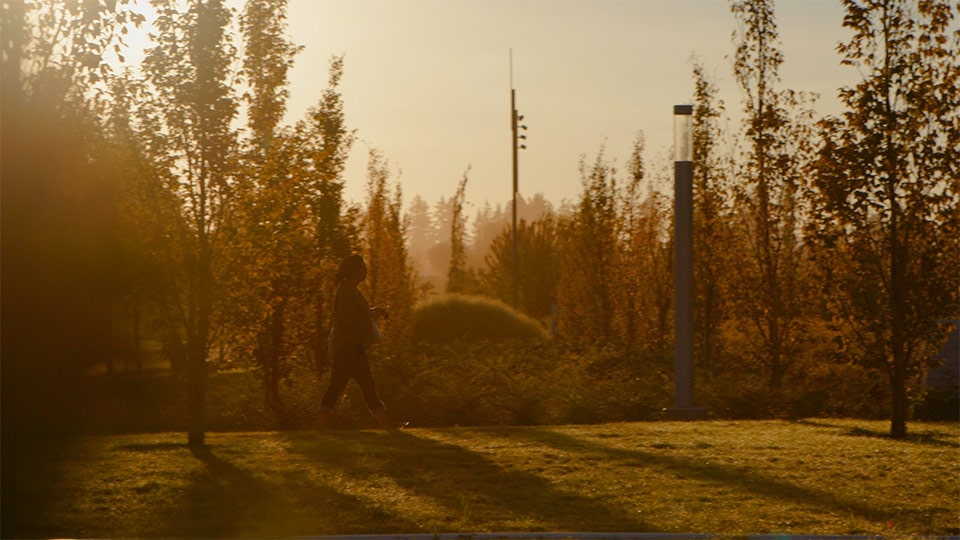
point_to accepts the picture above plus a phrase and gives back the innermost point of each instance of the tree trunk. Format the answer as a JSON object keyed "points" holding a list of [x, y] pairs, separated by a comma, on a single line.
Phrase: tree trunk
{"points": [[322, 330], [271, 387], [137, 348], [898, 417], [196, 393], [274, 357], [777, 372], [197, 351]]}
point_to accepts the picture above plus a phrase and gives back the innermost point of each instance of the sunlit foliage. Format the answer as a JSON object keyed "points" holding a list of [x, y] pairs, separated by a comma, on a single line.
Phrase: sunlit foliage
{"points": [[887, 187], [771, 283], [390, 280], [454, 316], [171, 204]]}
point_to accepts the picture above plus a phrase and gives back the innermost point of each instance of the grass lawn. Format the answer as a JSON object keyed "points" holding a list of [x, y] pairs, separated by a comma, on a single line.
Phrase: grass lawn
{"points": [[731, 478]]}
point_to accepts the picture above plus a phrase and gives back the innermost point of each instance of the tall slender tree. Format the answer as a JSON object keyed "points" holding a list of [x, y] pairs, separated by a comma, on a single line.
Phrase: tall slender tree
{"points": [[190, 71], [710, 208], [326, 142], [589, 252], [390, 278], [539, 263], [770, 176], [268, 57], [439, 253], [650, 249], [888, 188], [632, 233], [457, 270], [420, 235], [272, 239]]}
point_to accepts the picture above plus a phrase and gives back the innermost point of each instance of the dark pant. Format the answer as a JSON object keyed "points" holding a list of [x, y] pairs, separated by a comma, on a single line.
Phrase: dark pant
{"points": [[351, 363]]}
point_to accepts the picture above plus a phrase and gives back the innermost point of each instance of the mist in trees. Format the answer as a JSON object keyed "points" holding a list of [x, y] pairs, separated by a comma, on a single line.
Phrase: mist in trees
{"points": [[172, 204]]}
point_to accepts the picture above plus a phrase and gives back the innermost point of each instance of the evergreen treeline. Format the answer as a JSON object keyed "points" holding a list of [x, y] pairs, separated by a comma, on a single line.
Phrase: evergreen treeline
{"points": [[172, 205]]}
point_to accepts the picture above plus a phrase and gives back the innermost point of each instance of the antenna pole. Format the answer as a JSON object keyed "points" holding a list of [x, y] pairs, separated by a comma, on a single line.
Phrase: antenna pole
{"points": [[516, 276], [515, 127]]}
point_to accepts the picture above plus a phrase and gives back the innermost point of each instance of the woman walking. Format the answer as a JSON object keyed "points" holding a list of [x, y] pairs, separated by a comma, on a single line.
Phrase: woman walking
{"points": [[352, 331]]}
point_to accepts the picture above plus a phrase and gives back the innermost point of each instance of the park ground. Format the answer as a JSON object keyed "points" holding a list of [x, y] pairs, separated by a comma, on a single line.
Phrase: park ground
{"points": [[829, 477]]}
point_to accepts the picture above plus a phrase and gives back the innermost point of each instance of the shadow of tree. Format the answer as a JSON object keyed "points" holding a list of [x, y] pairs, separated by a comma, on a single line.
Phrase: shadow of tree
{"points": [[151, 447], [486, 494], [928, 438], [741, 478], [223, 500]]}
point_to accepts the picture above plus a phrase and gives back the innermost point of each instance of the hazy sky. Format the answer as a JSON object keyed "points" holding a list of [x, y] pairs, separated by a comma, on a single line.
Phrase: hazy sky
{"points": [[427, 82]]}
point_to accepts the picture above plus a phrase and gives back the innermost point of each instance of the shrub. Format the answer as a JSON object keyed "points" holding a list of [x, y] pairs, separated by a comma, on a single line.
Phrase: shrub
{"points": [[515, 382], [475, 382], [453, 316]]}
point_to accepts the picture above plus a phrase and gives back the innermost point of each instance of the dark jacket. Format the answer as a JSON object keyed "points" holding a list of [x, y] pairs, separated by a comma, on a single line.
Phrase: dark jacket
{"points": [[352, 321]]}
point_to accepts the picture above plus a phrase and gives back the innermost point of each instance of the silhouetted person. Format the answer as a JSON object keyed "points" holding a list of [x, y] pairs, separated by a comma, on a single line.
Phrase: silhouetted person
{"points": [[352, 331]]}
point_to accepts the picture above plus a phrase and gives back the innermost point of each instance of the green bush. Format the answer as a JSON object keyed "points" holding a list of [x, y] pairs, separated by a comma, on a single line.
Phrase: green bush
{"points": [[453, 317]]}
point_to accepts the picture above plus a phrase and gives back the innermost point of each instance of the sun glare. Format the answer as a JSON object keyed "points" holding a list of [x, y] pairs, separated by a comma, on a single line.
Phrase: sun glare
{"points": [[134, 39]]}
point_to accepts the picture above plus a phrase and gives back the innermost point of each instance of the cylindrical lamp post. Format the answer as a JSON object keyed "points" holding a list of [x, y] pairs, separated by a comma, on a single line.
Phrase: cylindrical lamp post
{"points": [[683, 264]]}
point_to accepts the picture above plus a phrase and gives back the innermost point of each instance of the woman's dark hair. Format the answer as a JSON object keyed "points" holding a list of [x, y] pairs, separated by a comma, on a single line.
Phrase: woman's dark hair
{"points": [[350, 265]]}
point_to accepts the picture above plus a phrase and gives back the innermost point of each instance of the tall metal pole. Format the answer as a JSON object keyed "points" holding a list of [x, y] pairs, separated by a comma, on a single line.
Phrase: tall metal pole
{"points": [[683, 266], [514, 142]]}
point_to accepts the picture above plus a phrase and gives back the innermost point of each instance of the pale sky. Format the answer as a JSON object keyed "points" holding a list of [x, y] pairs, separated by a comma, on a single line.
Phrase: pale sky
{"points": [[427, 82]]}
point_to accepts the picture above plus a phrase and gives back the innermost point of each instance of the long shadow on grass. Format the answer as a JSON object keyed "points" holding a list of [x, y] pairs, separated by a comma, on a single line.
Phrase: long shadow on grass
{"points": [[467, 489], [742, 479], [223, 500], [212, 505], [929, 439]]}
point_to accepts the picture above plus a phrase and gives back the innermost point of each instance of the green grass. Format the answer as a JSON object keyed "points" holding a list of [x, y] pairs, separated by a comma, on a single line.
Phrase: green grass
{"points": [[731, 478]]}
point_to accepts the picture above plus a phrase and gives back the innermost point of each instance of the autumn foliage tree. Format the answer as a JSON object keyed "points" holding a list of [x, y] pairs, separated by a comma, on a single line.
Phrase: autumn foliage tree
{"points": [[539, 248], [643, 294], [615, 277], [888, 187], [457, 278], [324, 142], [390, 280], [710, 231], [771, 281], [190, 75], [586, 285], [269, 239]]}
